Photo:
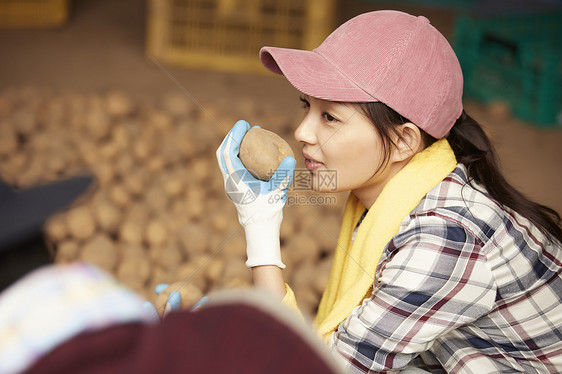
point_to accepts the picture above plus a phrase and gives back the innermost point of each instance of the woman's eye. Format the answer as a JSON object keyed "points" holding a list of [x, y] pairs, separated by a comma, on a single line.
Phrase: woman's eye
{"points": [[325, 115], [329, 117]]}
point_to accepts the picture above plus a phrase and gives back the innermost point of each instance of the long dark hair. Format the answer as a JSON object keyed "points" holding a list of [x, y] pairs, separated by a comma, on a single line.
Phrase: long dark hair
{"points": [[473, 149]]}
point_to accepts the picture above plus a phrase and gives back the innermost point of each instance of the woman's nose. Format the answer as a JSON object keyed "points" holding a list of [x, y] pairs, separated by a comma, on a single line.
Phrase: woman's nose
{"points": [[305, 132]]}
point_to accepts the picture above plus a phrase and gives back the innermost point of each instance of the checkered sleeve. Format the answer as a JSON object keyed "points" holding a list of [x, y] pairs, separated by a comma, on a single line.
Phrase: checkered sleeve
{"points": [[432, 280]]}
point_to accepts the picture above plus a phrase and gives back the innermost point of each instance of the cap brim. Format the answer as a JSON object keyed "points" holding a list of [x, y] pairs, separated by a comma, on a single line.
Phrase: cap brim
{"points": [[312, 74], [25, 211]]}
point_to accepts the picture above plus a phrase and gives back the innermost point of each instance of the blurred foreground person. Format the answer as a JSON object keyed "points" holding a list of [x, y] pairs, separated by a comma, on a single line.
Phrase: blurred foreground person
{"points": [[75, 318]]}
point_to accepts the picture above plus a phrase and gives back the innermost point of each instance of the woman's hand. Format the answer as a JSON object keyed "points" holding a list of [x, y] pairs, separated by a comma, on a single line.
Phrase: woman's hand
{"points": [[259, 204], [173, 302]]}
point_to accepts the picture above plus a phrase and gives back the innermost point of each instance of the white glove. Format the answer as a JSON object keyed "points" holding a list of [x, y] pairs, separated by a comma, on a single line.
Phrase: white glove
{"points": [[259, 204]]}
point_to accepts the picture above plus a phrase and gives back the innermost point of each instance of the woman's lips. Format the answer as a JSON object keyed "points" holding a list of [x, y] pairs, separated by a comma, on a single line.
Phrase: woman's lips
{"points": [[310, 163]]}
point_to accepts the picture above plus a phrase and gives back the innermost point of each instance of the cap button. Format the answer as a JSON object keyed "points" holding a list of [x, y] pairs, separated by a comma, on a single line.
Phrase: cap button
{"points": [[422, 18]]}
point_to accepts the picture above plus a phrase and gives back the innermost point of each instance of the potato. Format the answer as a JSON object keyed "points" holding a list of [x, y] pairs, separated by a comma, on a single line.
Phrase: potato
{"points": [[303, 275], [101, 251], [155, 199], [261, 152], [184, 142], [327, 231], [221, 223], [105, 173], [143, 148], [192, 272], [25, 122], [5, 106], [120, 195], [120, 135], [136, 181], [308, 300], [213, 269], [231, 245], [67, 251], [81, 222], [12, 166], [235, 274], [134, 267], [124, 164], [300, 248], [98, 124], [160, 120], [321, 275], [158, 275], [88, 152], [168, 256], [178, 104], [193, 238], [56, 228], [118, 104], [155, 163], [111, 151], [201, 168], [8, 140], [173, 184], [156, 233]]}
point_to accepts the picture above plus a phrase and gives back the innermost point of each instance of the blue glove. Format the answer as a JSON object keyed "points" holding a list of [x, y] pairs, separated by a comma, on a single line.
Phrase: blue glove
{"points": [[172, 304], [259, 204], [174, 299]]}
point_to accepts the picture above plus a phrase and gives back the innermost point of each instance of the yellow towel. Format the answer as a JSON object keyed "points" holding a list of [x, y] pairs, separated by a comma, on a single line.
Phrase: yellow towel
{"points": [[353, 269]]}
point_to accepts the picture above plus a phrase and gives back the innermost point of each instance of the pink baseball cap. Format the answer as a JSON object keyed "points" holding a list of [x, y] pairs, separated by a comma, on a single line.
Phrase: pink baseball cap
{"points": [[387, 56]]}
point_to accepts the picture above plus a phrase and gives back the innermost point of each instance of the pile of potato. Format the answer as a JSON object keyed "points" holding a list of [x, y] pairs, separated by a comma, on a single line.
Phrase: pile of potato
{"points": [[159, 213]]}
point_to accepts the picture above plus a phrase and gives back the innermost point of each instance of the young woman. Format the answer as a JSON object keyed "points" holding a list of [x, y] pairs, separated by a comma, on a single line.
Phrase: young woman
{"points": [[440, 263]]}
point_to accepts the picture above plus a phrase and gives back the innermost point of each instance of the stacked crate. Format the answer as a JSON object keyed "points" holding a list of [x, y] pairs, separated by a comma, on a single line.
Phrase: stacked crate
{"points": [[33, 13], [227, 35], [516, 59]]}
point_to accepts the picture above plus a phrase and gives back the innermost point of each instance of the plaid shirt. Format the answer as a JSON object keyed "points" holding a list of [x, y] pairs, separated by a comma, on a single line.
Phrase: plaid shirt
{"points": [[466, 285]]}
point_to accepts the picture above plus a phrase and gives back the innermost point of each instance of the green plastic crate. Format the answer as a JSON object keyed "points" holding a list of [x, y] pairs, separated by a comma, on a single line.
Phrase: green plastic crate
{"points": [[516, 58]]}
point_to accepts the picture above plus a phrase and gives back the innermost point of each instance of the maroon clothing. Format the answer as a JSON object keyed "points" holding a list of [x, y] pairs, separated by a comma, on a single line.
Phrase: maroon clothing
{"points": [[217, 339]]}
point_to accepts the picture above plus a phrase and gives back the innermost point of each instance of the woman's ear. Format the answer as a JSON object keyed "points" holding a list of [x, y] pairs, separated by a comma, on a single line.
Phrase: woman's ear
{"points": [[409, 141]]}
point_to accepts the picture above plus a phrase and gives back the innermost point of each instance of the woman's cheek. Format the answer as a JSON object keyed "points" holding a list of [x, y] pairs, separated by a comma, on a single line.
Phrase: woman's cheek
{"points": [[331, 180]]}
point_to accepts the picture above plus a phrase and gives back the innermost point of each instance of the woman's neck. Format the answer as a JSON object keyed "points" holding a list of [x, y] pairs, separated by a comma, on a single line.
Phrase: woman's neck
{"points": [[369, 192]]}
